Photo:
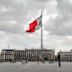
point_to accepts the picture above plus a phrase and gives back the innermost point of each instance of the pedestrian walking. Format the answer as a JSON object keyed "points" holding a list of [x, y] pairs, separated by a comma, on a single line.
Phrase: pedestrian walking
{"points": [[59, 60]]}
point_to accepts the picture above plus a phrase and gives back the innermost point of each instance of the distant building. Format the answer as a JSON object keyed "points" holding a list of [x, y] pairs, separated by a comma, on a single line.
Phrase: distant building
{"points": [[27, 54], [0, 58], [19, 55], [35, 54], [66, 56], [7, 54]]}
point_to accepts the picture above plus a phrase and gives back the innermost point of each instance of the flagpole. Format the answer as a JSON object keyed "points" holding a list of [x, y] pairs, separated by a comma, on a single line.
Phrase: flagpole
{"points": [[41, 40]]}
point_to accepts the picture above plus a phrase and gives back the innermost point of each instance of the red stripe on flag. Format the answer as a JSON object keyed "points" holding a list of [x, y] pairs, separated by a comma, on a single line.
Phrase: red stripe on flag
{"points": [[32, 26]]}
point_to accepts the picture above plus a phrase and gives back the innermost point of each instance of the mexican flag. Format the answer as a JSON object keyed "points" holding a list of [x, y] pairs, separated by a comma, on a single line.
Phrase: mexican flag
{"points": [[35, 25]]}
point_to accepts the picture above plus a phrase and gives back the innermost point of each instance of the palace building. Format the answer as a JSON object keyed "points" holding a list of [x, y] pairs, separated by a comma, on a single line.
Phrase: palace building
{"points": [[27, 54]]}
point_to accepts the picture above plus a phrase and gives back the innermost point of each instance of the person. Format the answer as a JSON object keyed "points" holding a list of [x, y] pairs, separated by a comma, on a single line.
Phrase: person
{"points": [[59, 60]]}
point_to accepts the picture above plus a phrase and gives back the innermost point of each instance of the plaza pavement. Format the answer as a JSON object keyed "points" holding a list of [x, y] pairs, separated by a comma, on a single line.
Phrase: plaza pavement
{"points": [[35, 67]]}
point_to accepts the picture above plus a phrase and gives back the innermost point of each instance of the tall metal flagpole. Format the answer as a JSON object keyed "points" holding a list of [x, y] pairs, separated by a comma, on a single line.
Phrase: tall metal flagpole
{"points": [[41, 39]]}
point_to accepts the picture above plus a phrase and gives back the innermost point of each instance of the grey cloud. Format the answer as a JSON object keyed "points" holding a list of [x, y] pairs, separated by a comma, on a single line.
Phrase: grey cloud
{"points": [[18, 10], [62, 24], [10, 29]]}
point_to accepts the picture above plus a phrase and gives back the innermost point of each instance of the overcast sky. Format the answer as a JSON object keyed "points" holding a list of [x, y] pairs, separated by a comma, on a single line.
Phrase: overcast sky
{"points": [[15, 16]]}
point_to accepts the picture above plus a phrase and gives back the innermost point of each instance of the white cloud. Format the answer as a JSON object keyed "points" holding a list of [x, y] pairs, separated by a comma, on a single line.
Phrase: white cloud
{"points": [[70, 1], [8, 22], [3, 9], [4, 39]]}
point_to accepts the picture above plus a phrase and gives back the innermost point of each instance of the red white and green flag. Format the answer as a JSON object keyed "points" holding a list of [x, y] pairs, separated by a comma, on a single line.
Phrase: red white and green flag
{"points": [[35, 25]]}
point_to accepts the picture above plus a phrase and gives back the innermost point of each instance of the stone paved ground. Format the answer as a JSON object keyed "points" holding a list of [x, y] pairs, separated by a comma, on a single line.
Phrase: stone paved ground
{"points": [[35, 67]]}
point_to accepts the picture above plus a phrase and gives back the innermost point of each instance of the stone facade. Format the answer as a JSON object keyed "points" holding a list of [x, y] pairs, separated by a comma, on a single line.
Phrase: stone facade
{"points": [[27, 54], [66, 56], [7, 54]]}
